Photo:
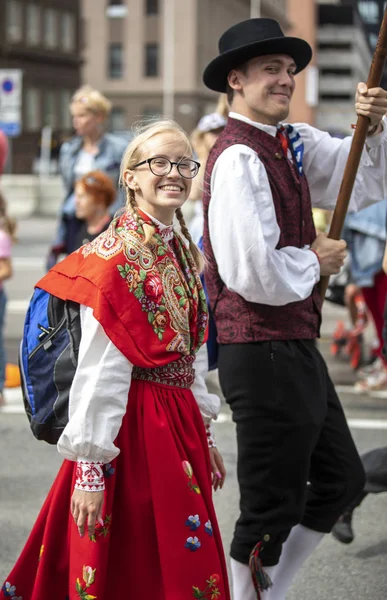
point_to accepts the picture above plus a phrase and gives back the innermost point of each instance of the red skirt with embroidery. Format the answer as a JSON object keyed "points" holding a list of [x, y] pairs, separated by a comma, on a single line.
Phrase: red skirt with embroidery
{"points": [[160, 539]]}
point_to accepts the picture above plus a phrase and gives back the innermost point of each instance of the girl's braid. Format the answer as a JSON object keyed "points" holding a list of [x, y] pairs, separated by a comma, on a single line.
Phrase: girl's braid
{"points": [[131, 203], [196, 254]]}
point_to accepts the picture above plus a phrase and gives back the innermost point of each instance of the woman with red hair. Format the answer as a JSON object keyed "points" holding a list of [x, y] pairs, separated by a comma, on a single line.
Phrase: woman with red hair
{"points": [[94, 194]]}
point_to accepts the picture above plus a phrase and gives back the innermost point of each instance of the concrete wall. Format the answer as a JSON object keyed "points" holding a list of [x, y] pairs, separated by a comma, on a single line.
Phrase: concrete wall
{"points": [[28, 195]]}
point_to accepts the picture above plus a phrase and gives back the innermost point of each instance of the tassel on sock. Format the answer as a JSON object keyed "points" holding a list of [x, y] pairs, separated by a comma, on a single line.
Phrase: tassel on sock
{"points": [[261, 579]]}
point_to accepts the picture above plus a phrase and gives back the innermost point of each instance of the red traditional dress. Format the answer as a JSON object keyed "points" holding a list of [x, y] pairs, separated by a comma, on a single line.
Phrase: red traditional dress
{"points": [[143, 318]]}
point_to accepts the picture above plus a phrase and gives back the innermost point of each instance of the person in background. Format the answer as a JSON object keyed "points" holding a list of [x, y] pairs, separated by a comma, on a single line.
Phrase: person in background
{"points": [[7, 237], [130, 514], [91, 149], [3, 151], [94, 194], [203, 138], [365, 234], [222, 108]]}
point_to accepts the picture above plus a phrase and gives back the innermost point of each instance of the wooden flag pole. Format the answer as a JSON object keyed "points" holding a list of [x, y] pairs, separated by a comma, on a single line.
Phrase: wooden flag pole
{"points": [[359, 138]]}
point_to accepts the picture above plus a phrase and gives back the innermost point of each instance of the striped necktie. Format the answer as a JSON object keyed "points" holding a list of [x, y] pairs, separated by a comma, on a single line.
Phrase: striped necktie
{"points": [[290, 138]]}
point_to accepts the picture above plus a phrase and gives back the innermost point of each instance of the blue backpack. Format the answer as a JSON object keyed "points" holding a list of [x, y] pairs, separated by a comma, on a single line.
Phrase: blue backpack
{"points": [[48, 358]]}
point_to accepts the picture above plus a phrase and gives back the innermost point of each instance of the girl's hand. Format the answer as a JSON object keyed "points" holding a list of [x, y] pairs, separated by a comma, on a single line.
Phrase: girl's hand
{"points": [[218, 469], [86, 505]]}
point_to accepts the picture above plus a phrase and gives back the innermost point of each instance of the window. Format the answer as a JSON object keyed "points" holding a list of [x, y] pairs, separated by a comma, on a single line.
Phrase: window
{"points": [[335, 46], [116, 9], [14, 21], [336, 97], [65, 121], [118, 119], [369, 12], [32, 109], [50, 28], [152, 7], [33, 24], [151, 60], [115, 61], [49, 109], [343, 71], [67, 32]]}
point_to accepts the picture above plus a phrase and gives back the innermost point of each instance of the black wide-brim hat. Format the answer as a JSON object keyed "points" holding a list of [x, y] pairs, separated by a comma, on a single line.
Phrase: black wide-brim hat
{"points": [[248, 39]]}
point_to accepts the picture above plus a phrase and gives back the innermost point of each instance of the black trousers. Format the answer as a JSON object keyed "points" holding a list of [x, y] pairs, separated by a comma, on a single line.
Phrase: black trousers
{"points": [[297, 462]]}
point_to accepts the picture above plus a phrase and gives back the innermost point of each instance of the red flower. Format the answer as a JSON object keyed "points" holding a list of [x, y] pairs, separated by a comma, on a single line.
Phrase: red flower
{"points": [[153, 289], [215, 578]]}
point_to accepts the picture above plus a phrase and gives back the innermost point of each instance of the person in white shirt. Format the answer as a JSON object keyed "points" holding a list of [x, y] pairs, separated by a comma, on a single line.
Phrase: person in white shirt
{"points": [[297, 464]]}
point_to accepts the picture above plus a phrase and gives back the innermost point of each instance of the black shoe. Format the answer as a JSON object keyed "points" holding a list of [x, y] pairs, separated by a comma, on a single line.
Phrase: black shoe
{"points": [[342, 529]]}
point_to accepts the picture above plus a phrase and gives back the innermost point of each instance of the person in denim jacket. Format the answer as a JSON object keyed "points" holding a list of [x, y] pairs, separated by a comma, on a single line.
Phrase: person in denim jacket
{"points": [[365, 234], [91, 149]]}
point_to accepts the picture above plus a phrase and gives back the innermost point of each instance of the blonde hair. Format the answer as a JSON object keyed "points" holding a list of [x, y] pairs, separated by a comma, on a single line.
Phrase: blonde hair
{"points": [[92, 100], [7, 223], [222, 107], [132, 156]]}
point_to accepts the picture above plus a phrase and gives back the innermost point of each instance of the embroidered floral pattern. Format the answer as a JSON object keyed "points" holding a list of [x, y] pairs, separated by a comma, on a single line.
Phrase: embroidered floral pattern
{"points": [[41, 551], [192, 544], [154, 276], [88, 576], [211, 591], [149, 291], [162, 277], [189, 472], [208, 528], [9, 591], [101, 530], [193, 522], [105, 245]]}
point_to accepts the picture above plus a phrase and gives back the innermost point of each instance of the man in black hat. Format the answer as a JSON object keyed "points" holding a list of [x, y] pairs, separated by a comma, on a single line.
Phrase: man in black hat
{"points": [[298, 467]]}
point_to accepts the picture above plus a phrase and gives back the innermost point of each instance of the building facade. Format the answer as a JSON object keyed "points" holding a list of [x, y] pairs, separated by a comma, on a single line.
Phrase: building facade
{"points": [[344, 58], [303, 19], [41, 38], [148, 56]]}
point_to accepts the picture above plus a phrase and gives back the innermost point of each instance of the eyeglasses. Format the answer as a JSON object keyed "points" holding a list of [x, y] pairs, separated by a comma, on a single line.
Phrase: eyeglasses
{"points": [[160, 166]]}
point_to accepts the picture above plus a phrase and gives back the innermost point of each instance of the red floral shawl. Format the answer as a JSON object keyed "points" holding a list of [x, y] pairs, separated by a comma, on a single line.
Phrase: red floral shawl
{"points": [[148, 298]]}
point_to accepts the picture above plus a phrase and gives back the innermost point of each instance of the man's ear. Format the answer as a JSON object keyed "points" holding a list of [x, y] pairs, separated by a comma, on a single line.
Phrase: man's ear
{"points": [[234, 80]]}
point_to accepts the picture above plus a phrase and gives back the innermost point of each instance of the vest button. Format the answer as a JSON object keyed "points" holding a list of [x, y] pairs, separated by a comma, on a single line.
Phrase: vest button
{"points": [[278, 155]]}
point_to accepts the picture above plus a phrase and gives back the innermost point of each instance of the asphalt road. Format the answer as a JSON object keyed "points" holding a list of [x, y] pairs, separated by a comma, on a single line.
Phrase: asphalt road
{"points": [[27, 467]]}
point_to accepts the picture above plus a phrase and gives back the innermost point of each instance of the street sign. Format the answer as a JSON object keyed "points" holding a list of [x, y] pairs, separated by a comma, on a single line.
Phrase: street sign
{"points": [[10, 101]]}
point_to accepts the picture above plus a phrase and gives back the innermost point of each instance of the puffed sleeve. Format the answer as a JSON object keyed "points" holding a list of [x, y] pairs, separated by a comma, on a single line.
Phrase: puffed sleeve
{"points": [[209, 404], [98, 396]]}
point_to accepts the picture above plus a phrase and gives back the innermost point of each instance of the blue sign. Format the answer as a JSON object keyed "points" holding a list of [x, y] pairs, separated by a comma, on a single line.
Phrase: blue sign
{"points": [[7, 86], [10, 129]]}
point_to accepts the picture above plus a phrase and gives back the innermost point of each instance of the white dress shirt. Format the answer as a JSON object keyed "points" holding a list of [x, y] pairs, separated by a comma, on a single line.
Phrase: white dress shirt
{"points": [[243, 227]]}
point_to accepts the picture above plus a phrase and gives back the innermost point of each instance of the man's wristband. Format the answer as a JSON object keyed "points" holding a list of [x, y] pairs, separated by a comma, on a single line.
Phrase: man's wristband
{"points": [[314, 251]]}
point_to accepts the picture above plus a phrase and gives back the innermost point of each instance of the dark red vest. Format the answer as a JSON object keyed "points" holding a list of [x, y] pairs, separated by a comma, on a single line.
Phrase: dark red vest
{"points": [[237, 320]]}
